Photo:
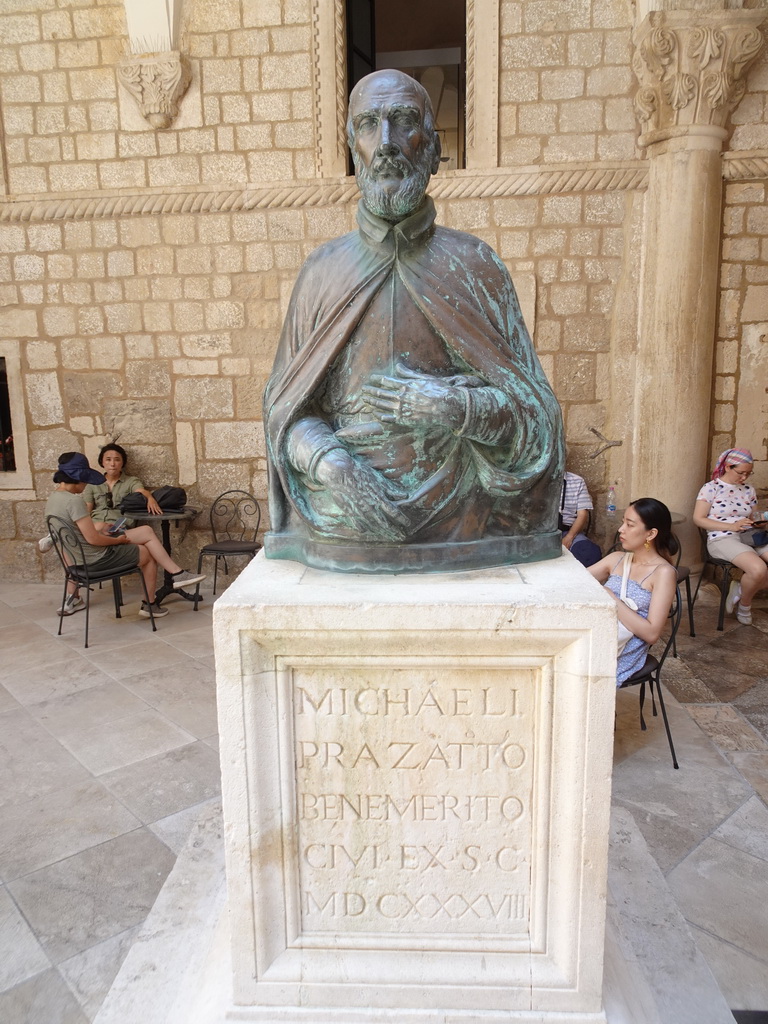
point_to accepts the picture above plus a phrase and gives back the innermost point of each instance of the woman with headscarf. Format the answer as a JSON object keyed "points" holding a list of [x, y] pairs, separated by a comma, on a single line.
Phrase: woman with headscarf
{"points": [[725, 508]]}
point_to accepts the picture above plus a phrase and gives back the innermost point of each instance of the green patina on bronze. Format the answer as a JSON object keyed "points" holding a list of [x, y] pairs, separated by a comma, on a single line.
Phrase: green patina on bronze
{"points": [[410, 427]]}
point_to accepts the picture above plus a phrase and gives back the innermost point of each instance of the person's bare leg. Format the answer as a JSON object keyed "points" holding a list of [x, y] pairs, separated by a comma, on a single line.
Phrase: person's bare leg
{"points": [[146, 538], [148, 567], [755, 576]]}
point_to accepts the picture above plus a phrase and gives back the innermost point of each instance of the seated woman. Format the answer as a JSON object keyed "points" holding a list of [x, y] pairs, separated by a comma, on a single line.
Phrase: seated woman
{"points": [[725, 508], [646, 535], [142, 548], [103, 500]]}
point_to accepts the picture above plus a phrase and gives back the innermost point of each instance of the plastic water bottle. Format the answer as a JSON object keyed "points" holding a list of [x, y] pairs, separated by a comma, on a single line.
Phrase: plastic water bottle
{"points": [[610, 504]]}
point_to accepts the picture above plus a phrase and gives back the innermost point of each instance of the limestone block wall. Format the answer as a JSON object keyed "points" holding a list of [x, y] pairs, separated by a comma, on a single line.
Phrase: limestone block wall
{"points": [[69, 127], [566, 83], [740, 400], [144, 274]]}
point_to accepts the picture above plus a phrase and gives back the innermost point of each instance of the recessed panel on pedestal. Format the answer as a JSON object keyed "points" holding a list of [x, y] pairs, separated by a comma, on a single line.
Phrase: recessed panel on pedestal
{"points": [[415, 792]]}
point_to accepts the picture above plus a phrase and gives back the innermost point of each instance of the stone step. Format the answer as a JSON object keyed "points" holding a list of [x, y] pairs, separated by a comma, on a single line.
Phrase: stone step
{"points": [[160, 979], [655, 973]]}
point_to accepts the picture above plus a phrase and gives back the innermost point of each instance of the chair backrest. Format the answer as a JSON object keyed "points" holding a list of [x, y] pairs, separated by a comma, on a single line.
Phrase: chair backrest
{"points": [[675, 613], [235, 515], [67, 540], [679, 554]]}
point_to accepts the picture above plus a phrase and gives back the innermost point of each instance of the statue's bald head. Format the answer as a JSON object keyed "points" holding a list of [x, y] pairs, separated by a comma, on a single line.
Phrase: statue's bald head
{"points": [[394, 144]]}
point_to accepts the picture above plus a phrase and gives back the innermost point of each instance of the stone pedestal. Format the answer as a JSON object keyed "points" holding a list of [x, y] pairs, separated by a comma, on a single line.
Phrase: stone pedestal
{"points": [[416, 781]]}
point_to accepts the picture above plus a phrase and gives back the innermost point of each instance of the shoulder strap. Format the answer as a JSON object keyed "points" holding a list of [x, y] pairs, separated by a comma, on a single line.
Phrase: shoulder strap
{"points": [[653, 570], [625, 574]]}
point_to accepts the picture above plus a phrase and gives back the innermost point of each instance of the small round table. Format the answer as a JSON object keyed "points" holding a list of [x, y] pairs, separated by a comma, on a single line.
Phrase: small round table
{"points": [[182, 515]]}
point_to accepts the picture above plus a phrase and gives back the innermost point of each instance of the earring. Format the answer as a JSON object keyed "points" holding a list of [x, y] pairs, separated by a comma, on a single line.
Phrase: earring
{"points": [[647, 545]]}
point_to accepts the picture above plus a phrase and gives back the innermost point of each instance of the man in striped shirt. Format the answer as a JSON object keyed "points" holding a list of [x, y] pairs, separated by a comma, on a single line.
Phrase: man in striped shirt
{"points": [[575, 506]]}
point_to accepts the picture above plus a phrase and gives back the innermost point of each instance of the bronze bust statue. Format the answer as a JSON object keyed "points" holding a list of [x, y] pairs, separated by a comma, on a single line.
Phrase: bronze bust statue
{"points": [[410, 427]]}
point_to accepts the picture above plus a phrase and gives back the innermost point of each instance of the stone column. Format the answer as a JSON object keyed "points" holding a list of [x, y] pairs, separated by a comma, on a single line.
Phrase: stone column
{"points": [[691, 67]]}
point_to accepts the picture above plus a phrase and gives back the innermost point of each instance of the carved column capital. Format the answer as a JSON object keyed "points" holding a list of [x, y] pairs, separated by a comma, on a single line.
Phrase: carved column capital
{"points": [[157, 82], [691, 67]]}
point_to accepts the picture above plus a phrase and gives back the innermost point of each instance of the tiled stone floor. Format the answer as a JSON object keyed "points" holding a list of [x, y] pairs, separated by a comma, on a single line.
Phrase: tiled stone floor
{"points": [[707, 824], [107, 757]]}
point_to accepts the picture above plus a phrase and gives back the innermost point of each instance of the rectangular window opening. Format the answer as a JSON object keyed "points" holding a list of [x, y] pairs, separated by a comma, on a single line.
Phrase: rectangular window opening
{"points": [[7, 458], [428, 42]]}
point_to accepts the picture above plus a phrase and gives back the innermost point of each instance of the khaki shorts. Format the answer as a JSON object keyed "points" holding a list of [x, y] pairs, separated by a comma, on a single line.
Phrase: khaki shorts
{"points": [[729, 548]]}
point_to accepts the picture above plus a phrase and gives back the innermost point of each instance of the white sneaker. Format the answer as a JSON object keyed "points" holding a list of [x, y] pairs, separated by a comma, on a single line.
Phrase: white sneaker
{"points": [[185, 578], [734, 595], [45, 543], [74, 603], [744, 615]]}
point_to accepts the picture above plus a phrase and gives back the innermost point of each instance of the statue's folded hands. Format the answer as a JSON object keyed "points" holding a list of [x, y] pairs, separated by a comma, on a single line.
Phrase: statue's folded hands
{"points": [[364, 497]]}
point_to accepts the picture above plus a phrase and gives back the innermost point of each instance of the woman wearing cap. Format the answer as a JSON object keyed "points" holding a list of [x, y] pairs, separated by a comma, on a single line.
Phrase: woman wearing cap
{"points": [[143, 548], [725, 508], [103, 500]]}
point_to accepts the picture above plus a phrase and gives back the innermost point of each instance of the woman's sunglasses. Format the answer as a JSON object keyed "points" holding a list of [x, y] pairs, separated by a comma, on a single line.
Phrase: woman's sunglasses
{"points": [[109, 499]]}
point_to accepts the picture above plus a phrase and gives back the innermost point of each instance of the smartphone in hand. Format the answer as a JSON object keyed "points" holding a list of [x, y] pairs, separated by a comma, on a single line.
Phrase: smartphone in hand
{"points": [[116, 528]]}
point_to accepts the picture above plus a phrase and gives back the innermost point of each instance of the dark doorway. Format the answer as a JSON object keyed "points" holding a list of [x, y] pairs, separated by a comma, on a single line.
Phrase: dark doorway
{"points": [[7, 461], [426, 40]]}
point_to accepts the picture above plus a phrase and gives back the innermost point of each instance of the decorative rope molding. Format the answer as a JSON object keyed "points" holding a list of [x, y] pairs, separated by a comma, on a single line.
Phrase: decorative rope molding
{"points": [[625, 176], [469, 98], [745, 166], [340, 42]]}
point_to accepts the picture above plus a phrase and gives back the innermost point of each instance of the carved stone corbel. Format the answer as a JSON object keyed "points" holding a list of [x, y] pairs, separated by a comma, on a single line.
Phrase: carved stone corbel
{"points": [[691, 67], [157, 82]]}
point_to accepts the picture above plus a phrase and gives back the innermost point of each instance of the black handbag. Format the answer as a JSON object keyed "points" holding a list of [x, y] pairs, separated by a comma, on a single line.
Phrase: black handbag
{"points": [[170, 499]]}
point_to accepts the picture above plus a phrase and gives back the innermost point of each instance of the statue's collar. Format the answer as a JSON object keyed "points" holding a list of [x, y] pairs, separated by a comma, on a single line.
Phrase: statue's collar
{"points": [[412, 230]]}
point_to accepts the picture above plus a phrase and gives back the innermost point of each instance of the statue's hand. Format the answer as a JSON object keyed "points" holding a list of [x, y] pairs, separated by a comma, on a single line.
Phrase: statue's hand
{"points": [[415, 399], [365, 497]]}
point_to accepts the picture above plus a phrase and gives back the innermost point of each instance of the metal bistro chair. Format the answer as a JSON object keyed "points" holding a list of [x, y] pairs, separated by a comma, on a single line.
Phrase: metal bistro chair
{"points": [[235, 517], [683, 576], [725, 581], [68, 543], [651, 671]]}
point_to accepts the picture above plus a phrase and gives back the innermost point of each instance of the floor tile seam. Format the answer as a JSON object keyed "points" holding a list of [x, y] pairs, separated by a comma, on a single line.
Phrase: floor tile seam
{"points": [[727, 942], [740, 849], [175, 725], [130, 764], [711, 835], [62, 860], [33, 932], [26, 981], [7, 809], [35, 703], [154, 637], [74, 992], [62, 740], [136, 765], [7, 879], [744, 853], [727, 751], [72, 989]]}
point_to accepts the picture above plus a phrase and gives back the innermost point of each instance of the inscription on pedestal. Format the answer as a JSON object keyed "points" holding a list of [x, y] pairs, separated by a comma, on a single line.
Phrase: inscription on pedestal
{"points": [[414, 800]]}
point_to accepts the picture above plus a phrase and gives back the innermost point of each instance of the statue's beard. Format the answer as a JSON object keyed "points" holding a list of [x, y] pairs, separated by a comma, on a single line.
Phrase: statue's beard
{"points": [[389, 204]]}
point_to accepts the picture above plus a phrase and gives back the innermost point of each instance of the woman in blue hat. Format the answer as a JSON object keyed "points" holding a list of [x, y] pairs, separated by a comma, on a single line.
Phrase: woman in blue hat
{"points": [[143, 548]]}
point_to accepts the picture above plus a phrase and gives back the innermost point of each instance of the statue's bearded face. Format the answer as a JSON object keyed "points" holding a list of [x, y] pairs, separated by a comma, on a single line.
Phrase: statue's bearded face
{"points": [[394, 146]]}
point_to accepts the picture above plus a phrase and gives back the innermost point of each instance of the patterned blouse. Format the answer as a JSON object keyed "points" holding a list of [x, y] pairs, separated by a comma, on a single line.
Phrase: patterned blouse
{"points": [[728, 503]]}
